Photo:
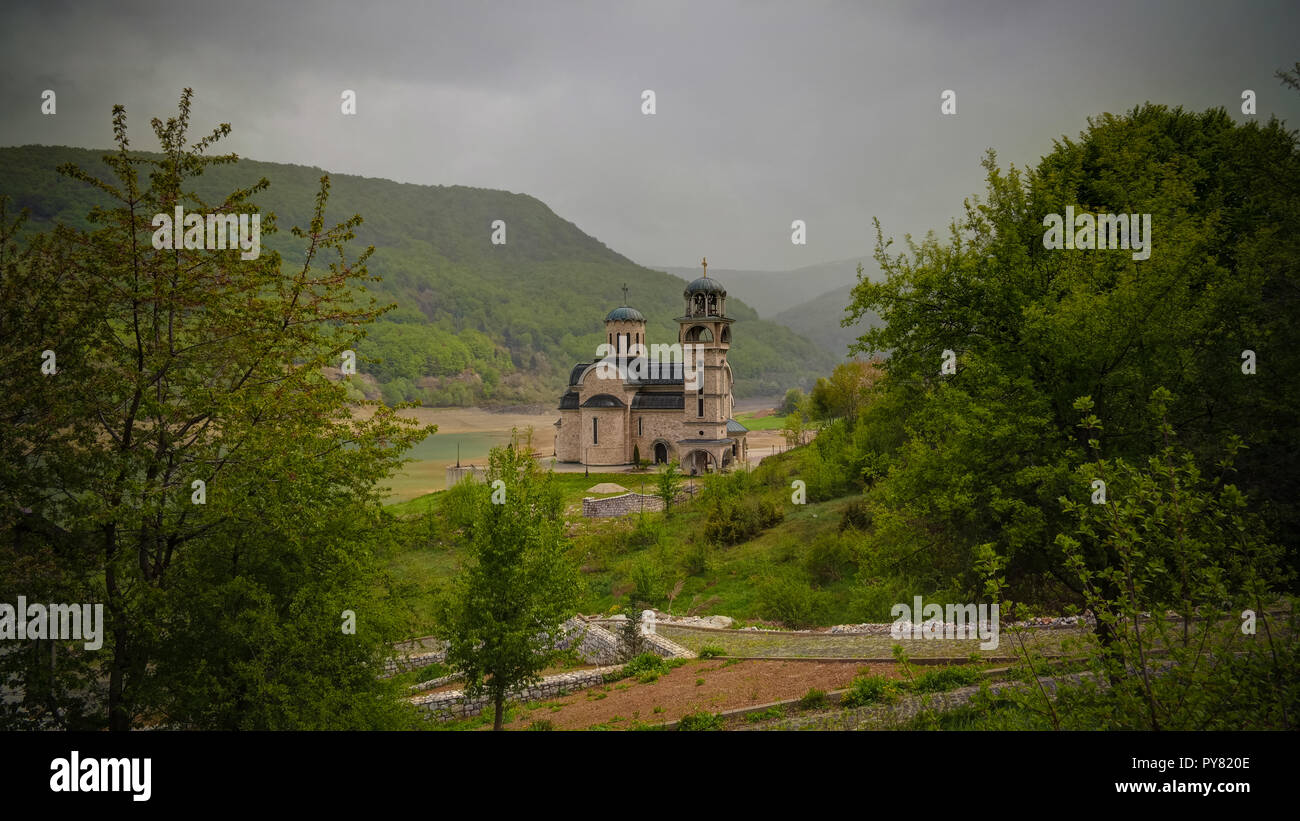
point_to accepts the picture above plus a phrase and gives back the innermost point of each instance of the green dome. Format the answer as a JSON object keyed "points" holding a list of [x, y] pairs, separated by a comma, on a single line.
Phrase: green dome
{"points": [[704, 285], [624, 314]]}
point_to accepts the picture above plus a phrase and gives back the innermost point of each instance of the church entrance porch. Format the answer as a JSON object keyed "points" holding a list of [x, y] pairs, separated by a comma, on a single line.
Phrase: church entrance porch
{"points": [[705, 456], [661, 453], [698, 462]]}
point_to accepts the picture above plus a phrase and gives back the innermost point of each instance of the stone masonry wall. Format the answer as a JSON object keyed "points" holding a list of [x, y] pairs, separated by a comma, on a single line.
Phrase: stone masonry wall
{"points": [[622, 505], [595, 644], [452, 704], [626, 503]]}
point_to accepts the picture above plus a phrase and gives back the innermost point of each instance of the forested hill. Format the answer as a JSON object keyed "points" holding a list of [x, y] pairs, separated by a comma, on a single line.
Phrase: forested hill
{"points": [[477, 323]]}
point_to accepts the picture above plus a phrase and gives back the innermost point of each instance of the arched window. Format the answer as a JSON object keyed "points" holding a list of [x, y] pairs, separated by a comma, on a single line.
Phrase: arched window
{"points": [[595, 431]]}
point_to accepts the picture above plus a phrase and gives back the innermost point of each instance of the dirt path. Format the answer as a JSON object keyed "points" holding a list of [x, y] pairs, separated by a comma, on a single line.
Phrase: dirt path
{"points": [[726, 685]]}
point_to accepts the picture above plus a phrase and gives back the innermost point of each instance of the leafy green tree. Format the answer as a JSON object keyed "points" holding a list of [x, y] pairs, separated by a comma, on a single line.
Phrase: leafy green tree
{"points": [[988, 450], [669, 485], [1185, 587], [189, 465], [791, 401], [503, 616], [847, 389]]}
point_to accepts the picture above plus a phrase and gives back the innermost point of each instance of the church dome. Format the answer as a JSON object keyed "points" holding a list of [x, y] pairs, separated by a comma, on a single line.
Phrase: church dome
{"points": [[624, 314], [705, 285]]}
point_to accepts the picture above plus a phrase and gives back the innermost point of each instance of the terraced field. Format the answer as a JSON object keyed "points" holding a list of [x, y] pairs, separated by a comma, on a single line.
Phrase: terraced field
{"points": [[765, 644]]}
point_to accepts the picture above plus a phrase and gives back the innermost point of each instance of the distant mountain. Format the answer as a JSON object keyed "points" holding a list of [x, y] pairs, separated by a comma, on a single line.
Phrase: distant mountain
{"points": [[771, 292], [819, 318], [477, 323]]}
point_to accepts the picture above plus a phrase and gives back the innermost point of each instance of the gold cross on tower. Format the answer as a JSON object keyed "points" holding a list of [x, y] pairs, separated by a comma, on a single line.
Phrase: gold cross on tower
{"points": [[705, 262]]}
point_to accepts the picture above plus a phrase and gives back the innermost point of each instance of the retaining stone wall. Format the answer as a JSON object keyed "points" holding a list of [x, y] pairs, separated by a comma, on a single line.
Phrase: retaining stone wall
{"points": [[621, 505], [595, 644], [453, 704], [415, 661]]}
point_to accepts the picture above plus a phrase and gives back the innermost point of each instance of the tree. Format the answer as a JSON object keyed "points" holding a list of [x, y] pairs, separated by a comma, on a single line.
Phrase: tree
{"points": [[503, 616], [990, 448], [847, 389], [791, 401], [188, 464], [669, 485]]}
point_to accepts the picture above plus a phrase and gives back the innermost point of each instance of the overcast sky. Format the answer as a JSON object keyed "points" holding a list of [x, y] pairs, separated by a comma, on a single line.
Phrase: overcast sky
{"points": [[766, 112]]}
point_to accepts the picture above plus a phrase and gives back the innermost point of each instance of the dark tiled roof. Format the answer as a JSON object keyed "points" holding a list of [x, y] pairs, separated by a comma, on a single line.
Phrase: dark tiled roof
{"points": [[643, 400], [576, 373], [625, 314], [604, 400], [735, 427], [668, 373], [707, 286], [726, 441], [569, 401]]}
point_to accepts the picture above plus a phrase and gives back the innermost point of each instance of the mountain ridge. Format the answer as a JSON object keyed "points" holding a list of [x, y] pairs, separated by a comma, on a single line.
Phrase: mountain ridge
{"points": [[476, 323]]}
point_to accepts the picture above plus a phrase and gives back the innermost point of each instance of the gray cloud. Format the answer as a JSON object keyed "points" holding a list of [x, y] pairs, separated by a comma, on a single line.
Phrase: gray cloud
{"points": [[767, 112]]}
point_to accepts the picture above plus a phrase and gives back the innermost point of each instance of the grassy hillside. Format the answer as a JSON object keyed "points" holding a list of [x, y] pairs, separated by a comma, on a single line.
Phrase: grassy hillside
{"points": [[797, 569], [477, 323], [818, 319]]}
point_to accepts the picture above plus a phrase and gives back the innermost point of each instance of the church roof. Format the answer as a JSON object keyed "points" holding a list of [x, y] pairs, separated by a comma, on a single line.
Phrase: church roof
{"points": [[569, 401], [643, 400], [666, 372], [624, 314], [575, 375], [604, 400], [735, 427], [705, 285]]}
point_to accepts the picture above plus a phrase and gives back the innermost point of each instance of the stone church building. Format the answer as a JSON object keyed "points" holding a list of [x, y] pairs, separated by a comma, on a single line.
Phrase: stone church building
{"points": [[626, 406]]}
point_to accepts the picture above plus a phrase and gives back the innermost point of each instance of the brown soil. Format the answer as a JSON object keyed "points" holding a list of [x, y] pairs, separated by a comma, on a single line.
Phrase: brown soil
{"points": [[726, 686]]}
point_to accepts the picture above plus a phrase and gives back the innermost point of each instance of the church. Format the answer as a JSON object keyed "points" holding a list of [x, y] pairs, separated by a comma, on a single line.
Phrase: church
{"points": [[627, 407]]}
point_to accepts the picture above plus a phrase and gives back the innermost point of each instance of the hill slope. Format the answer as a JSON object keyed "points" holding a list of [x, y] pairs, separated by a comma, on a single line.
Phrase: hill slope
{"points": [[818, 319], [771, 292], [477, 323]]}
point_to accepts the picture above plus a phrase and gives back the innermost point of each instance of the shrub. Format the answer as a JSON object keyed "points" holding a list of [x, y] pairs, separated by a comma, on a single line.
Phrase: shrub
{"points": [[829, 558], [696, 559], [814, 699], [710, 651], [790, 601], [946, 678], [646, 663], [647, 531], [541, 724], [764, 715], [648, 580], [735, 516], [700, 720], [459, 504], [856, 516], [870, 690]]}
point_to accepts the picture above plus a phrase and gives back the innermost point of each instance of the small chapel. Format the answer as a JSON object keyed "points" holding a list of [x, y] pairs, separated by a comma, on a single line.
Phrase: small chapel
{"points": [[650, 410]]}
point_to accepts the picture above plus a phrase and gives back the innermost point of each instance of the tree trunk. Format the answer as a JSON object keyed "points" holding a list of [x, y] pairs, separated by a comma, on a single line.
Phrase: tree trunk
{"points": [[500, 702], [118, 717]]}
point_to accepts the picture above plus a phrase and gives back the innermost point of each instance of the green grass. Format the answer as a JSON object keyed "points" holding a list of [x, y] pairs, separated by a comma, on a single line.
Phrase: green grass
{"points": [[610, 557], [773, 422], [573, 486]]}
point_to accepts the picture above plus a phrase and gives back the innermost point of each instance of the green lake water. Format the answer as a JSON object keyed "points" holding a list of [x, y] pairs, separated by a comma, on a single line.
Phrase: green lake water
{"points": [[427, 472]]}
